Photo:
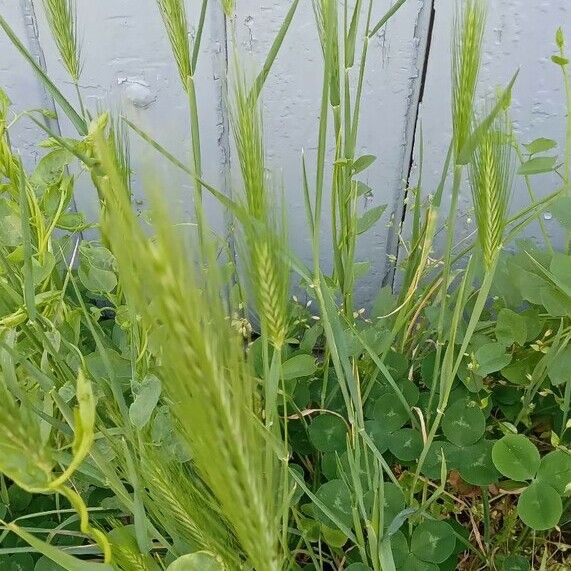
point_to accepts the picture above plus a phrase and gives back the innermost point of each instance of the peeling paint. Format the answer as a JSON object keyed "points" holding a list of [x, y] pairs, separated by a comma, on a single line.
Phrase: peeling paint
{"points": [[137, 91]]}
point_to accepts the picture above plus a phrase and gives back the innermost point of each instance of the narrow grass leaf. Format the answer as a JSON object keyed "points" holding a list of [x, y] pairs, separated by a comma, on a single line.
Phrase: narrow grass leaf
{"points": [[57, 555], [388, 15], [272, 54], [73, 116], [29, 288]]}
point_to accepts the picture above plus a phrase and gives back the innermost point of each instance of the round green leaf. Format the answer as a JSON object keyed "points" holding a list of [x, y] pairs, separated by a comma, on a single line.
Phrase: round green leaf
{"points": [[335, 496], [46, 564], [555, 470], [146, 399], [506, 395], [51, 168], [432, 466], [390, 413], [475, 463], [540, 506], [394, 502], [516, 457], [358, 567], [97, 268], [327, 433], [333, 537], [369, 218], [491, 357], [18, 498], [298, 437], [329, 465], [310, 528], [10, 225], [363, 162], [298, 367], [559, 369], [514, 563], [517, 373], [199, 561], [451, 564], [406, 444], [399, 547], [511, 327], [538, 165], [540, 145], [16, 562], [398, 365], [378, 433], [464, 423], [433, 541], [412, 563]]}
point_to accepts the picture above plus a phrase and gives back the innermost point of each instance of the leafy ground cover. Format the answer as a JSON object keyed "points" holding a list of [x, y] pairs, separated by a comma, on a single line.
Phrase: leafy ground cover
{"points": [[164, 406]]}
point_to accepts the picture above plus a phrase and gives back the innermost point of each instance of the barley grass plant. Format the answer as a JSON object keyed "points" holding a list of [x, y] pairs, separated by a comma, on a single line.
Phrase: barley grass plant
{"points": [[206, 375], [264, 232], [466, 60]]}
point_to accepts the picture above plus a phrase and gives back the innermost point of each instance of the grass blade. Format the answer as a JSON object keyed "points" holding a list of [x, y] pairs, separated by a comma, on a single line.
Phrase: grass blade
{"points": [[467, 150], [79, 123], [29, 290], [198, 38], [56, 555], [272, 54], [389, 14], [226, 201]]}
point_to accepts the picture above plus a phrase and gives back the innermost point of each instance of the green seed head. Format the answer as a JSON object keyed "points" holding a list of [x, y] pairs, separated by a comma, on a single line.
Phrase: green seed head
{"points": [[61, 16], [467, 55]]}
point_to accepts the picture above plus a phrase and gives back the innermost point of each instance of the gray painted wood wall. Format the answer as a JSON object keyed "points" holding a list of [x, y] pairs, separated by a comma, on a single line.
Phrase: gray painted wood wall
{"points": [[128, 63]]}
